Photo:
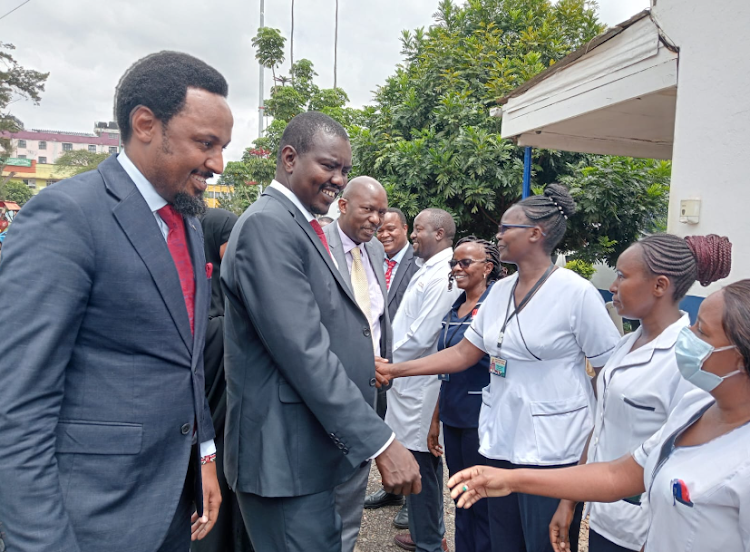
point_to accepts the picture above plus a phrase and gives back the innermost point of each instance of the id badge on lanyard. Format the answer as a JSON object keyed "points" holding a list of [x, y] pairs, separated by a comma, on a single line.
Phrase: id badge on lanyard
{"points": [[498, 366]]}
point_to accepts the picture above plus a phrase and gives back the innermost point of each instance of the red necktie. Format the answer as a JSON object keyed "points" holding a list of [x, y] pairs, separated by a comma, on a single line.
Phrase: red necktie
{"points": [[389, 273], [319, 231], [177, 243]]}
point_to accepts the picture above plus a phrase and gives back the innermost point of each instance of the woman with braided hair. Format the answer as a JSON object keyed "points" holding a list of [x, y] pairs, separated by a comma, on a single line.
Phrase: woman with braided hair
{"points": [[474, 268], [537, 327], [695, 470], [641, 384]]}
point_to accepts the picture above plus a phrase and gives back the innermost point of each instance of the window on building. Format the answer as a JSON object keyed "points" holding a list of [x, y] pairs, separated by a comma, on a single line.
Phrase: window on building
{"points": [[67, 146], [42, 145], [32, 183], [112, 134], [22, 143], [42, 160], [22, 157], [92, 149], [112, 149]]}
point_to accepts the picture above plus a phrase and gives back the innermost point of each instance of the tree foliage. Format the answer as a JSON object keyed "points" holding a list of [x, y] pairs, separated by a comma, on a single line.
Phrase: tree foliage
{"points": [[77, 162], [15, 191], [256, 168], [15, 83], [269, 48]]}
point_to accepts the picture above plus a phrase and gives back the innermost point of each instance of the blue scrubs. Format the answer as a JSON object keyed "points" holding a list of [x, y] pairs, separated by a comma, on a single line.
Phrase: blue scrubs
{"points": [[460, 402]]}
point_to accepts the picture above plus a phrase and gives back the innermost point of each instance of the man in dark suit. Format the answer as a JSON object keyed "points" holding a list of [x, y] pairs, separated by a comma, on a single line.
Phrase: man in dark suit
{"points": [[399, 265], [359, 258], [299, 356], [102, 404]]}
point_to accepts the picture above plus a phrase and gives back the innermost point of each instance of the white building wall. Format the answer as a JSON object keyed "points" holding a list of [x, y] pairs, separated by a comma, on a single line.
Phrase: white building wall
{"points": [[54, 149], [712, 128]]}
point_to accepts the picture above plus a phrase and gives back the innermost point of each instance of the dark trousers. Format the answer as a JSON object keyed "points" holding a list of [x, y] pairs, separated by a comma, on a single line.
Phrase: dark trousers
{"points": [[597, 543], [229, 533], [520, 522], [426, 508], [472, 525], [292, 524]]}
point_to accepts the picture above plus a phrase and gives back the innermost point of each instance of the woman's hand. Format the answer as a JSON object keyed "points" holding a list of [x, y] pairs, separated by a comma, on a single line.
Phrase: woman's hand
{"points": [[383, 372], [433, 438], [473, 484], [559, 527]]}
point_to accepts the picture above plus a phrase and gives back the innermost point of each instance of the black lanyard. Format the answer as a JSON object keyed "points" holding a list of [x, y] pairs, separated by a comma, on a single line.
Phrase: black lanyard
{"points": [[523, 302]]}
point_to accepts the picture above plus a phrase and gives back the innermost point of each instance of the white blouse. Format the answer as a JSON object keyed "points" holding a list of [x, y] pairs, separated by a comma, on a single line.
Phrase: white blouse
{"points": [[699, 495], [637, 390], [540, 412]]}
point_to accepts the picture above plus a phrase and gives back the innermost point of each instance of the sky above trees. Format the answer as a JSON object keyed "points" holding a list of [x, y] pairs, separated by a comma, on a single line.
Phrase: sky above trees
{"points": [[87, 45]]}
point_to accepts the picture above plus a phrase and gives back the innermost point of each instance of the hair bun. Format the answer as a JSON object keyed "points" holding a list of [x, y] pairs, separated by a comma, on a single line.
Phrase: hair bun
{"points": [[713, 255], [561, 197]]}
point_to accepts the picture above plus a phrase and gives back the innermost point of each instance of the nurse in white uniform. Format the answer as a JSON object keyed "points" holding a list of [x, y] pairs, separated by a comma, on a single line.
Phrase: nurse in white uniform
{"points": [[538, 326], [640, 384], [695, 470]]}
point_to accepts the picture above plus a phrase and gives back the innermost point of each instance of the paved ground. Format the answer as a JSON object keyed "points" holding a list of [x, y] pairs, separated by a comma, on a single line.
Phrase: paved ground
{"points": [[377, 530]]}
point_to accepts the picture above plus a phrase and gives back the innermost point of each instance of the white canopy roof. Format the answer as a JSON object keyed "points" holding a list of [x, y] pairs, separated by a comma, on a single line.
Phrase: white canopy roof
{"points": [[616, 95]]}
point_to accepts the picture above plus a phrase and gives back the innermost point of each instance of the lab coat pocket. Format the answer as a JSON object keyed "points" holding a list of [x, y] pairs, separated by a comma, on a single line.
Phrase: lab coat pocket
{"points": [[560, 428]]}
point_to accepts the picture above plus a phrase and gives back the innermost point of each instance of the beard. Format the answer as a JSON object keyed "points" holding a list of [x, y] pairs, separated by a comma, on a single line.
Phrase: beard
{"points": [[189, 205]]}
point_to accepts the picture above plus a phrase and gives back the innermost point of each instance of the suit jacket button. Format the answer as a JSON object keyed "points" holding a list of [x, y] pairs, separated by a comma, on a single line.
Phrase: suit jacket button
{"points": [[185, 429], [345, 450], [373, 381], [366, 332]]}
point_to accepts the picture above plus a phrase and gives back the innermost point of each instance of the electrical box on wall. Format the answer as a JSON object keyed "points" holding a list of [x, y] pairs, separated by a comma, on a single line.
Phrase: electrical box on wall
{"points": [[690, 210]]}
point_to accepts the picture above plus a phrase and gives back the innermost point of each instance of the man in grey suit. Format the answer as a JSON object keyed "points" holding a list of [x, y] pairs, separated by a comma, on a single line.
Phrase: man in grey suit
{"points": [[399, 264], [102, 404], [359, 258], [299, 356]]}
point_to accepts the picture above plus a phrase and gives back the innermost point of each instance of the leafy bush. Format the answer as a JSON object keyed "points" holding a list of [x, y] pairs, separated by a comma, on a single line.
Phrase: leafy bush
{"points": [[582, 268]]}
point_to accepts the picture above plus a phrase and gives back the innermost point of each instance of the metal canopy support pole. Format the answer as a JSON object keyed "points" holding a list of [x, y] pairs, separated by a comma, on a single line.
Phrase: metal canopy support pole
{"points": [[526, 173], [260, 83]]}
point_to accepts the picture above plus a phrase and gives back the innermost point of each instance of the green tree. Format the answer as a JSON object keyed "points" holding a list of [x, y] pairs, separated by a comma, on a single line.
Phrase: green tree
{"points": [[244, 177], [15, 83], [77, 162], [269, 48], [16, 191]]}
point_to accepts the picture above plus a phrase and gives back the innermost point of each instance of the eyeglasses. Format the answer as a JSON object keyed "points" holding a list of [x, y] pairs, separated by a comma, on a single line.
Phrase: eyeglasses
{"points": [[465, 263], [504, 227]]}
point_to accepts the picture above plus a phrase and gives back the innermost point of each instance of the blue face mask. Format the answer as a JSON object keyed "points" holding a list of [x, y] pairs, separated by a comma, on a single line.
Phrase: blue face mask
{"points": [[691, 352]]}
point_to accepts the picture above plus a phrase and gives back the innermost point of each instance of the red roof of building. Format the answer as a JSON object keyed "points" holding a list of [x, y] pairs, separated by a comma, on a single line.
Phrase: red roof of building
{"points": [[72, 137]]}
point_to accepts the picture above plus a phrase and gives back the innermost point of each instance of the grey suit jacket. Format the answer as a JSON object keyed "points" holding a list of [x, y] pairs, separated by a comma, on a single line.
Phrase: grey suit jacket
{"points": [[298, 359], [101, 381], [401, 280], [375, 253]]}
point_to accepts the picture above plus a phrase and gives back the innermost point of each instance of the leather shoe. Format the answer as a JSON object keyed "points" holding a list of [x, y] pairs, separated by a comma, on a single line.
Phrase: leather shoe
{"points": [[381, 498], [401, 521], [405, 541]]}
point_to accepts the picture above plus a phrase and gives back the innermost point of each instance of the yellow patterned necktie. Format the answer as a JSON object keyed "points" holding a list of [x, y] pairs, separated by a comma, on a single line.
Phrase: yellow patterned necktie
{"points": [[359, 283]]}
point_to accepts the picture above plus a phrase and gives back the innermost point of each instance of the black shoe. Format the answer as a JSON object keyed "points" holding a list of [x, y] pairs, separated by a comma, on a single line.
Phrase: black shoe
{"points": [[381, 498], [401, 521]]}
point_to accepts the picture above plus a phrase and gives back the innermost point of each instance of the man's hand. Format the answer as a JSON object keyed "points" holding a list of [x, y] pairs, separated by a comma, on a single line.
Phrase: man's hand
{"points": [[399, 470], [211, 503], [382, 372], [559, 527], [433, 439]]}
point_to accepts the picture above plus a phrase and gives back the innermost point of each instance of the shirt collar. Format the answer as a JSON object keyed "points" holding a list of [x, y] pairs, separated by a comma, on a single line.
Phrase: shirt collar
{"points": [[289, 194], [147, 190], [444, 256], [346, 242], [398, 257]]}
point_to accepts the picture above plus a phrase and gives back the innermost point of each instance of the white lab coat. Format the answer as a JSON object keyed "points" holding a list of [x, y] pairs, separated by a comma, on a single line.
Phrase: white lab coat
{"points": [[540, 413], [717, 476], [637, 390], [416, 326]]}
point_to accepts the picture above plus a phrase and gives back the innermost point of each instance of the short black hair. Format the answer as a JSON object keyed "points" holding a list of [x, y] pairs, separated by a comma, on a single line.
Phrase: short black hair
{"points": [[399, 212], [442, 219], [160, 82], [302, 129]]}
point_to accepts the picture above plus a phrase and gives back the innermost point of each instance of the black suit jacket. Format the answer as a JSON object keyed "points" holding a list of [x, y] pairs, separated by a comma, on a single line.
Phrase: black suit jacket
{"points": [[404, 273], [298, 358]]}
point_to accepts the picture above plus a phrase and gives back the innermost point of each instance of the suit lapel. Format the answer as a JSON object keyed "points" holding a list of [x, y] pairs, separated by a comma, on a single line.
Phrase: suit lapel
{"points": [[137, 221], [376, 262], [202, 288], [337, 250], [400, 273]]}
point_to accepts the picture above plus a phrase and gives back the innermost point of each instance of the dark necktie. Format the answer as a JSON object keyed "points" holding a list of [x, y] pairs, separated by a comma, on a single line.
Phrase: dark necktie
{"points": [[177, 243], [389, 273], [319, 231]]}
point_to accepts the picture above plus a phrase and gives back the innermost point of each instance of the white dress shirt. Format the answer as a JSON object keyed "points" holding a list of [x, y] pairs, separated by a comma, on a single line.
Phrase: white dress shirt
{"points": [[377, 301], [155, 202], [716, 475], [541, 412], [416, 327], [637, 390]]}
